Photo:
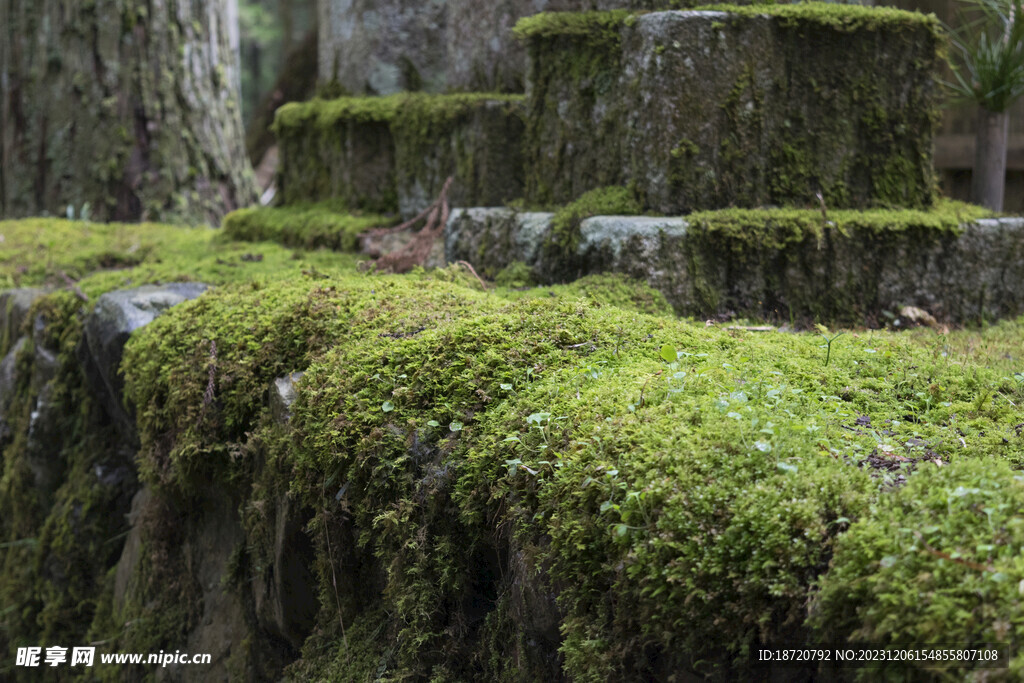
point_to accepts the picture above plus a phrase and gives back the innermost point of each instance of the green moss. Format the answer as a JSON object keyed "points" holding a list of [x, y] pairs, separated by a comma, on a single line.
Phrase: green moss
{"points": [[606, 289], [339, 149], [782, 133], [564, 236], [938, 561], [288, 324], [561, 482], [327, 114], [61, 498], [307, 226], [837, 17], [778, 228], [362, 655], [59, 536], [111, 256], [600, 27], [369, 151], [515, 274], [473, 137]]}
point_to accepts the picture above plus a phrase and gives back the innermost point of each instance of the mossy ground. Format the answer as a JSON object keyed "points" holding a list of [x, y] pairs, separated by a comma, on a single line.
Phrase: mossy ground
{"points": [[569, 478], [327, 225]]}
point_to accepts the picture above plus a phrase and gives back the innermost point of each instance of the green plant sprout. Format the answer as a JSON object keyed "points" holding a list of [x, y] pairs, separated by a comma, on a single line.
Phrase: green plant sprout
{"points": [[828, 342]]}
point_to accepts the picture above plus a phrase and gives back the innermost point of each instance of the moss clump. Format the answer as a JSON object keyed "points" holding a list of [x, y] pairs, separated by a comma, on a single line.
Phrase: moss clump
{"points": [[326, 114], [61, 531], [287, 326], [308, 226], [778, 228], [606, 289], [619, 473], [939, 561], [837, 17], [112, 256], [35, 250], [515, 275], [601, 27], [564, 237]]}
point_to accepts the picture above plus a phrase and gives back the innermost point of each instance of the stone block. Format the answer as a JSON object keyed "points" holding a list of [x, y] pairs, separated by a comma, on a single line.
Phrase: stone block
{"points": [[768, 105], [475, 138], [14, 308], [339, 148], [393, 154], [492, 238], [381, 47], [781, 264], [116, 315]]}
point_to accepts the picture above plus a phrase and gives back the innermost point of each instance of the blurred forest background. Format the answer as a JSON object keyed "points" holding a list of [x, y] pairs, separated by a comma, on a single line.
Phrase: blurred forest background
{"points": [[99, 120], [278, 56]]}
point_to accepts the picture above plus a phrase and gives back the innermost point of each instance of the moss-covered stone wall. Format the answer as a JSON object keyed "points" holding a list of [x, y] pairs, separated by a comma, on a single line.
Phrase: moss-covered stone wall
{"points": [[338, 149], [475, 138], [393, 154], [788, 265], [739, 106]]}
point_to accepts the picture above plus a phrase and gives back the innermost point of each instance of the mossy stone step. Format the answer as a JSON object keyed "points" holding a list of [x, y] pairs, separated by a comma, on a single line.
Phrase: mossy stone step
{"points": [[382, 47], [782, 264], [393, 154], [741, 106]]}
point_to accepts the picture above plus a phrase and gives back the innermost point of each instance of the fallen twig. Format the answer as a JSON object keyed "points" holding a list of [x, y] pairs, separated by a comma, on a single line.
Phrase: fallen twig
{"points": [[470, 268], [73, 286], [415, 253]]}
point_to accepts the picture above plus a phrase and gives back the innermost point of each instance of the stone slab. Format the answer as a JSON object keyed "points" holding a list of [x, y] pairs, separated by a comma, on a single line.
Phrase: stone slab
{"points": [[847, 276]]}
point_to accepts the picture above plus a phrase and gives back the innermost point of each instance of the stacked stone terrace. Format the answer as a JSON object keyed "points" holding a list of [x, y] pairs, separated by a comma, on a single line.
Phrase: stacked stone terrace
{"points": [[818, 118]]}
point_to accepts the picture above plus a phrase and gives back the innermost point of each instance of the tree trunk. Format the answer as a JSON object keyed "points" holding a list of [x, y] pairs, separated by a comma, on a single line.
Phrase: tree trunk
{"points": [[988, 179], [130, 106]]}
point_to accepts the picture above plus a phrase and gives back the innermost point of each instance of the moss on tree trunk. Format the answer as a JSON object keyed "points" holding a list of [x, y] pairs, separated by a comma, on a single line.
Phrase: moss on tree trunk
{"points": [[126, 105]]}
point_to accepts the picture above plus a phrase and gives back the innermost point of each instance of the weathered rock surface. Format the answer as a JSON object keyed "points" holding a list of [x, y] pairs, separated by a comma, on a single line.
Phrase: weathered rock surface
{"points": [[283, 395], [850, 275], [393, 154], [705, 110], [380, 47], [14, 308], [116, 315], [476, 140], [491, 239], [341, 149], [285, 596], [8, 376]]}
